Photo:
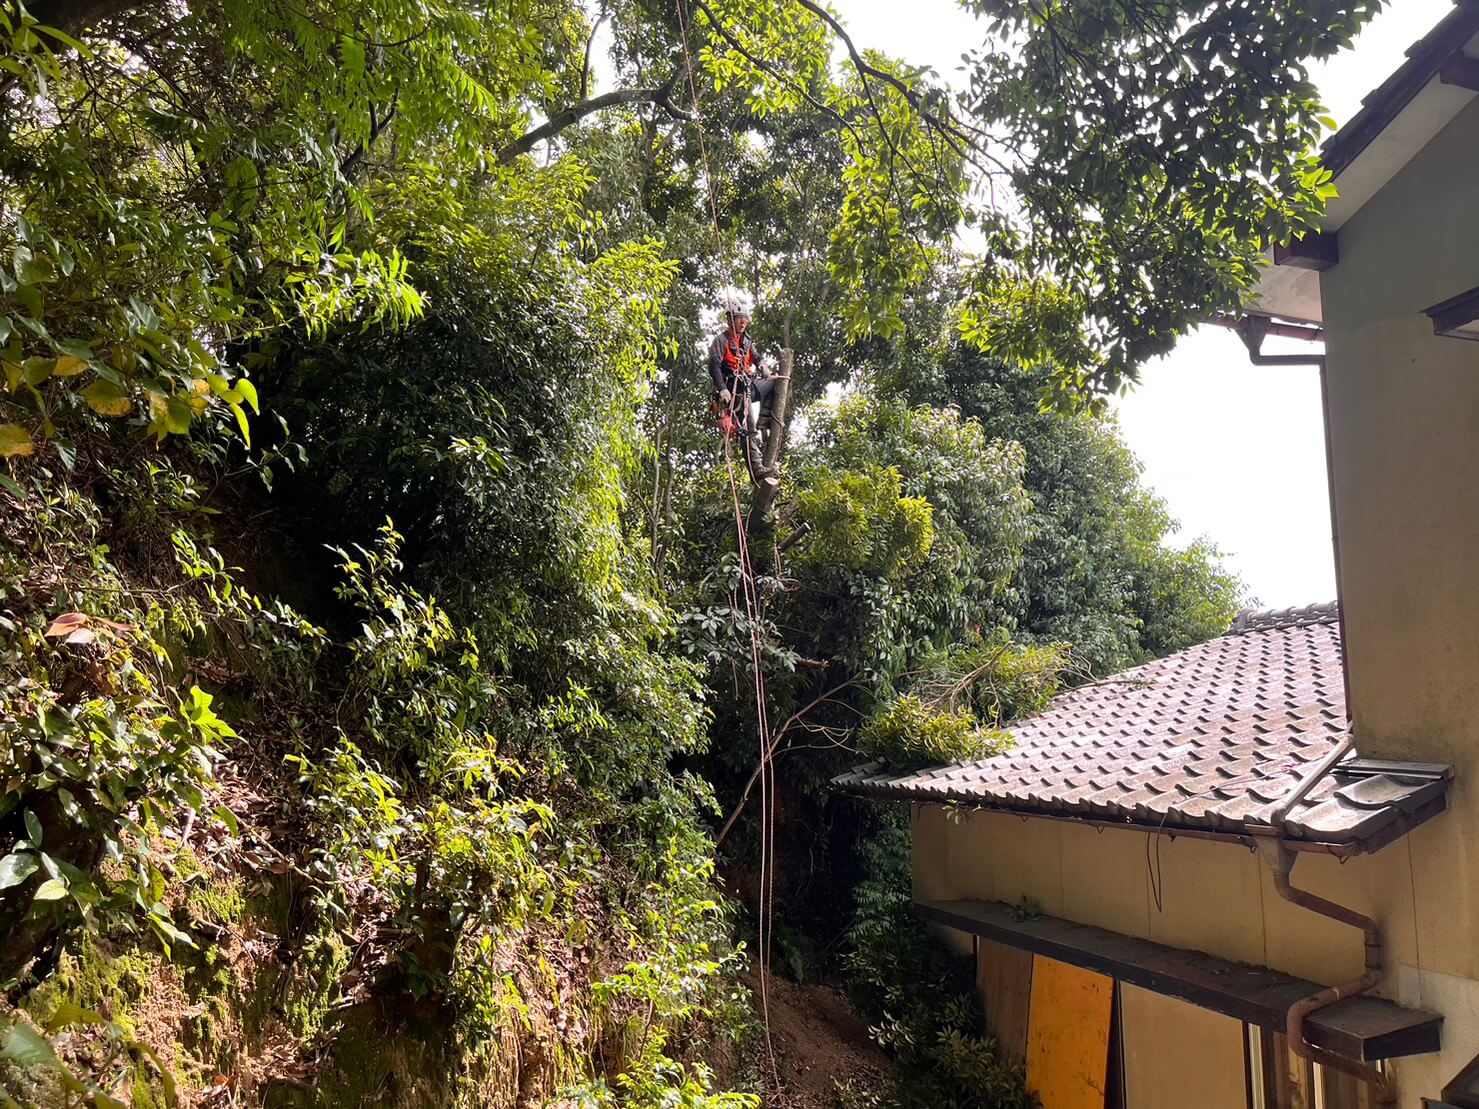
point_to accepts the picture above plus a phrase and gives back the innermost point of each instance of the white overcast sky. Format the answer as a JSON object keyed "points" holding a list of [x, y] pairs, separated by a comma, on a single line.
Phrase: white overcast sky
{"points": [[1237, 451]]}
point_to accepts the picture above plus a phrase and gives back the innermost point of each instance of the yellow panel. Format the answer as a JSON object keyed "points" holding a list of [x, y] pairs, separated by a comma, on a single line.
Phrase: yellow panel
{"points": [[1179, 1055], [1068, 1035]]}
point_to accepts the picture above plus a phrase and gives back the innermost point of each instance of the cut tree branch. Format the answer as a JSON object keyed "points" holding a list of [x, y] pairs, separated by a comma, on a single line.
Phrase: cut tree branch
{"points": [[662, 96]]}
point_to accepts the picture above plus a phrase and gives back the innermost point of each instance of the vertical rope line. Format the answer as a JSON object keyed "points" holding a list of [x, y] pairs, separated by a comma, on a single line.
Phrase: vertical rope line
{"points": [[752, 606], [766, 881], [703, 151]]}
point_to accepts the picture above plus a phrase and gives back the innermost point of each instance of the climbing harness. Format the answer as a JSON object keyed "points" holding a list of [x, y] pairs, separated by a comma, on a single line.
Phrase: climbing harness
{"points": [[733, 422], [753, 612]]}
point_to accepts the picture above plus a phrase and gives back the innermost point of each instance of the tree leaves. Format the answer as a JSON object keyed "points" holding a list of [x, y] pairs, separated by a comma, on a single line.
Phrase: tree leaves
{"points": [[15, 441], [1155, 153], [107, 399], [53, 889], [16, 867]]}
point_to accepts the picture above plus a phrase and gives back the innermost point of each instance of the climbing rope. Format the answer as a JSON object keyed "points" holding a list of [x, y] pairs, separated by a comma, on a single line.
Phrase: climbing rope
{"points": [[753, 612]]}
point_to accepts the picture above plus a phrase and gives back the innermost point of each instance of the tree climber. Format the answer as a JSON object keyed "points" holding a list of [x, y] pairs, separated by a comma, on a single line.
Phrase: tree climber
{"points": [[745, 386]]}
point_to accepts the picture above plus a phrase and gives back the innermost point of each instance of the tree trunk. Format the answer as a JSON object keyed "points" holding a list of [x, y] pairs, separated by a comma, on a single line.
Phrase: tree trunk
{"points": [[768, 486]]}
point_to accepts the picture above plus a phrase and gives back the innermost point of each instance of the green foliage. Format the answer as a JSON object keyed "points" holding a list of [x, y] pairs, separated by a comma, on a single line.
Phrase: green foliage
{"points": [[108, 772], [960, 699], [864, 523], [153, 238], [470, 762], [108, 749], [28, 1057], [656, 1082], [908, 733], [907, 598], [1155, 154], [1099, 570], [1128, 168], [921, 1001]]}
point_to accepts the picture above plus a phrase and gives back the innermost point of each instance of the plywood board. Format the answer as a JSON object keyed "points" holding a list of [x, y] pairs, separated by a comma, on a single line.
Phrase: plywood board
{"points": [[1004, 977], [1177, 1054], [1068, 1035]]}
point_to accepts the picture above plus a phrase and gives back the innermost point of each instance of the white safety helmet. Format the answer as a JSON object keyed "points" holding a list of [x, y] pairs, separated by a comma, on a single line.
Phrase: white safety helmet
{"points": [[736, 302]]}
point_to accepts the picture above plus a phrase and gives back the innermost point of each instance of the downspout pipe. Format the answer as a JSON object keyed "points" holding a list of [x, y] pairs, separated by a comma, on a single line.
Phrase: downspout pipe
{"points": [[1253, 330], [1281, 864]]}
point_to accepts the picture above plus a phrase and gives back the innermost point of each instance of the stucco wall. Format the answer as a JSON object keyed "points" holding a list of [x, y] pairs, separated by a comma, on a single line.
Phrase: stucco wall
{"points": [[1404, 419], [1219, 898], [1404, 423]]}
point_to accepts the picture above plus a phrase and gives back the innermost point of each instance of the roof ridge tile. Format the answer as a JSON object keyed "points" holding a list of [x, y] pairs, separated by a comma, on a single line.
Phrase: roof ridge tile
{"points": [[1277, 619]]}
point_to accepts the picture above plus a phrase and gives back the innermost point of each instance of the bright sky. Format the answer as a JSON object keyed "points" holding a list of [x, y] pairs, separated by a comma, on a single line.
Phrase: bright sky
{"points": [[1237, 451]]}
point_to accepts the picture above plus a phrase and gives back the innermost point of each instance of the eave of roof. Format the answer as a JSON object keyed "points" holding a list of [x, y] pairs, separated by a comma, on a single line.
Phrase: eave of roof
{"points": [[1206, 742], [877, 781], [1359, 1027], [1381, 107], [1396, 120]]}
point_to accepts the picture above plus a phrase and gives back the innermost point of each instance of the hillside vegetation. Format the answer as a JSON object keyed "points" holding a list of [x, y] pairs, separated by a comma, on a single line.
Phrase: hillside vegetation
{"points": [[376, 688]]}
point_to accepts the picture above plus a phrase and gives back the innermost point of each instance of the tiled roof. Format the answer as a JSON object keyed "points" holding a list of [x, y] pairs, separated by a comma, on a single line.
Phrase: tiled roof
{"points": [[1212, 737]]}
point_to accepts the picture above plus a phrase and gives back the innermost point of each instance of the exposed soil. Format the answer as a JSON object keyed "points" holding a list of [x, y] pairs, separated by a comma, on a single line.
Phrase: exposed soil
{"points": [[821, 1044]]}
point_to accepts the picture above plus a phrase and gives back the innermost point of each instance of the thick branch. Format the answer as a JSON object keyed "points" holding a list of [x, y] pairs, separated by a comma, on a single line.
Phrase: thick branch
{"points": [[662, 96]]}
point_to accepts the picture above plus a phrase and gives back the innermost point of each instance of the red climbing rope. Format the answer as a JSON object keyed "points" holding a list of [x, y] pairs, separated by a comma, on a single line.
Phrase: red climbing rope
{"points": [[753, 615]]}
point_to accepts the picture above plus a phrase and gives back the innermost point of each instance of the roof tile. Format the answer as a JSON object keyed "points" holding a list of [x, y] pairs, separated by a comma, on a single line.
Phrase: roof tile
{"points": [[1213, 736]]}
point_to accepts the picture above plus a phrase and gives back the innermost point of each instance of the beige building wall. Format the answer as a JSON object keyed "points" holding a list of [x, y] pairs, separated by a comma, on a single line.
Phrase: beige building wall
{"points": [[1404, 423], [1219, 898]]}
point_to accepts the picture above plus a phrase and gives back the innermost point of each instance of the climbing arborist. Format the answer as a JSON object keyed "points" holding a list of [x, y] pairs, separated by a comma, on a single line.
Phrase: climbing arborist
{"points": [[744, 384]]}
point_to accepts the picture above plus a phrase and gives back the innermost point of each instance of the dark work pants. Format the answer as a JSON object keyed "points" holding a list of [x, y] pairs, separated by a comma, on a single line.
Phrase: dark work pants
{"points": [[762, 398]]}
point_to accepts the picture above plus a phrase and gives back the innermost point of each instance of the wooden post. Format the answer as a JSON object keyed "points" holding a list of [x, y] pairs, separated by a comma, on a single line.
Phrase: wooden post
{"points": [[769, 485]]}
